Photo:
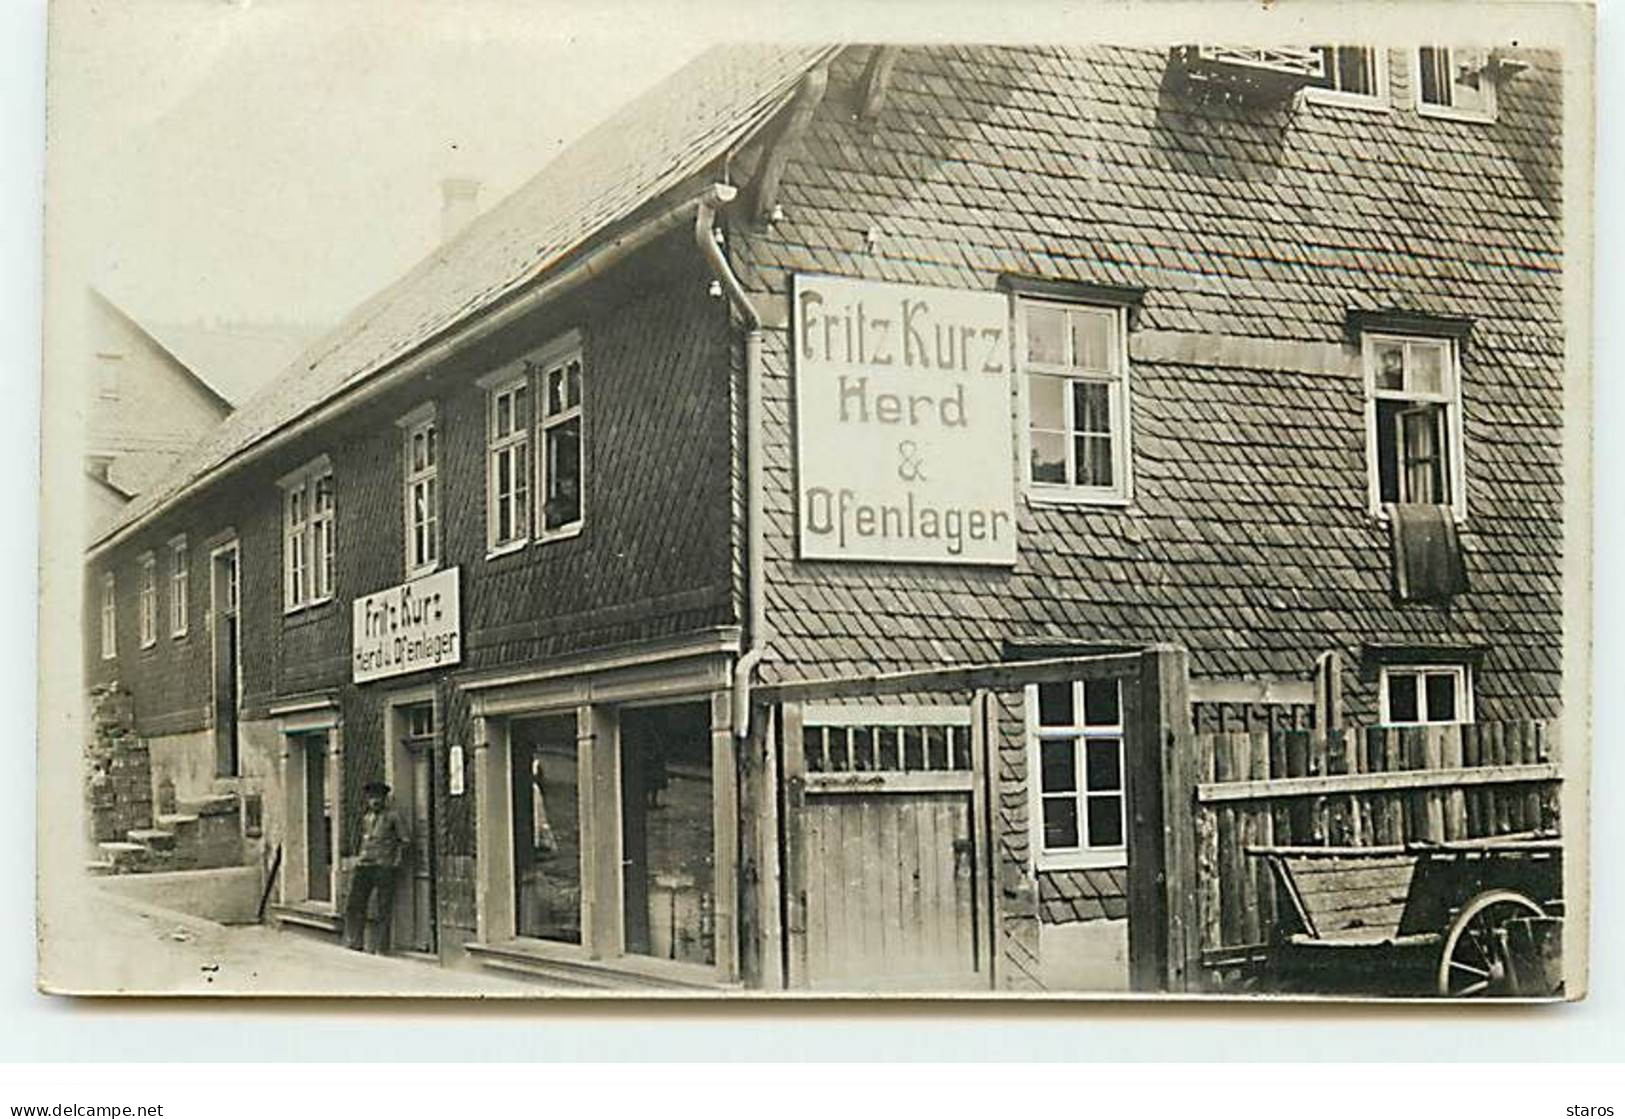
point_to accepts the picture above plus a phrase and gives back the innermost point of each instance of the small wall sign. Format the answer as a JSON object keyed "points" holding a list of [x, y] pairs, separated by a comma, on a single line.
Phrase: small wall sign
{"points": [[454, 770], [407, 628]]}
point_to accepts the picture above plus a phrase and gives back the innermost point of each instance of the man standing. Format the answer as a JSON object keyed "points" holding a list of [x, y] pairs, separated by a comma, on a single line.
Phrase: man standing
{"points": [[383, 849]]}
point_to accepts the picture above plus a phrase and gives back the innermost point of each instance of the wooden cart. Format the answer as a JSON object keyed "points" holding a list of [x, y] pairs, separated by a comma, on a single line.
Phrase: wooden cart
{"points": [[1474, 918]]}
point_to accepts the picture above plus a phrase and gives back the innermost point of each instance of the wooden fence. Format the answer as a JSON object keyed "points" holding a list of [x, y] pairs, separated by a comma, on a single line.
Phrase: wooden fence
{"points": [[1378, 787]]}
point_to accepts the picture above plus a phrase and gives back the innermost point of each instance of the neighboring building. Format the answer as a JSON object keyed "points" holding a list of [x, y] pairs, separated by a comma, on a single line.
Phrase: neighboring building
{"points": [[1038, 353], [147, 408], [159, 389]]}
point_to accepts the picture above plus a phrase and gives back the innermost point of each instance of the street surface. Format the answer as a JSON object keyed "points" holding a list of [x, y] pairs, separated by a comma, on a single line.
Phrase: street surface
{"points": [[115, 945]]}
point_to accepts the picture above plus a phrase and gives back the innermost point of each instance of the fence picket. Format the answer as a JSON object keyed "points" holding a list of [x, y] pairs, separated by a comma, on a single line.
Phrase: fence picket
{"points": [[1471, 757], [1207, 845], [1455, 800], [1263, 829], [1230, 847]]}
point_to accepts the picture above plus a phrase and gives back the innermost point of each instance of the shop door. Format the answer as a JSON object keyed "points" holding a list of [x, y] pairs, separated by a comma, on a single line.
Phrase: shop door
{"points": [[885, 849], [414, 799]]}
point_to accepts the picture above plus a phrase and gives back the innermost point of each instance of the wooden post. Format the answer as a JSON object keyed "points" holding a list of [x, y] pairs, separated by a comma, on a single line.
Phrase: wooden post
{"points": [[795, 851], [725, 836], [1207, 843], [1165, 951], [761, 930], [1329, 691], [984, 748]]}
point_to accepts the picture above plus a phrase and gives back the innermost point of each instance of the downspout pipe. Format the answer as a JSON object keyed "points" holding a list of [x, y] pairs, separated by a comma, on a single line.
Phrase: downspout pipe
{"points": [[705, 237]]}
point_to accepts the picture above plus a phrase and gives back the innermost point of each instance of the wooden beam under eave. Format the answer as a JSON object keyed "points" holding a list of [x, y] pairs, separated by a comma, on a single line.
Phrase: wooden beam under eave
{"points": [[808, 97], [876, 79]]}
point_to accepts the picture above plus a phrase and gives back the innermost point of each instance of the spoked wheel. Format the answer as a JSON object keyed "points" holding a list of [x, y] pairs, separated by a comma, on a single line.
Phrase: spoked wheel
{"points": [[1474, 962]]}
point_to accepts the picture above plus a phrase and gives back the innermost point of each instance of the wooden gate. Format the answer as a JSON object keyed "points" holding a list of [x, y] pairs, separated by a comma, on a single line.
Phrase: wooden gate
{"points": [[886, 847]]}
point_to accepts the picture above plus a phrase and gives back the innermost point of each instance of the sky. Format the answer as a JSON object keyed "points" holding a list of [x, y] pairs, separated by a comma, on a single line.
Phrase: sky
{"points": [[281, 159]]}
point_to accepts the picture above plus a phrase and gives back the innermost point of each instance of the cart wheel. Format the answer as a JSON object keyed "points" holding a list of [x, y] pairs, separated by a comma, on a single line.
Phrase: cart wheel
{"points": [[1474, 962]]}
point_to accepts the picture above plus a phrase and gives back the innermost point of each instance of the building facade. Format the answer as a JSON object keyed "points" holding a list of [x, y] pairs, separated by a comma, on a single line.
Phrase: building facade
{"points": [[839, 363]]}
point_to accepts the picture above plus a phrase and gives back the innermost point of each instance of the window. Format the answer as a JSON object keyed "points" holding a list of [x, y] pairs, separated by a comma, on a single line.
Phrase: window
{"points": [[109, 617], [422, 496], [308, 536], [1454, 82], [559, 439], [109, 370], [179, 587], [1414, 421], [546, 828], [1076, 372], [1075, 749], [507, 482], [1426, 696], [668, 849], [1352, 76], [148, 601]]}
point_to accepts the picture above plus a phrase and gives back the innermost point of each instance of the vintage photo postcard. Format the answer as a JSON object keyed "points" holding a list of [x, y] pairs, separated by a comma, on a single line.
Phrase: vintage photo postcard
{"points": [[543, 501]]}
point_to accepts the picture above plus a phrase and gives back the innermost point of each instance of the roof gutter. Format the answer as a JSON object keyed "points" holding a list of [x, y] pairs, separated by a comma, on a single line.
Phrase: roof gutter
{"points": [[587, 267]]}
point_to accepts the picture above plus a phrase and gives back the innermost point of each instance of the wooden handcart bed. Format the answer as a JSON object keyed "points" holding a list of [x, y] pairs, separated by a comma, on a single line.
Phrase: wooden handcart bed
{"points": [[1467, 918]]}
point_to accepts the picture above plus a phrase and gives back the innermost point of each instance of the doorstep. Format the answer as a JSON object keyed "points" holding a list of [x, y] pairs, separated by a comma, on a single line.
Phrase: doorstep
{"points": [[308, 916], [627, 974]]}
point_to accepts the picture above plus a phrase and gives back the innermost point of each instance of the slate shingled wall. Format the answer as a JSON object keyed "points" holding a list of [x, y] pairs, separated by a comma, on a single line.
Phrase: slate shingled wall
{"points": [[1253, 231]]}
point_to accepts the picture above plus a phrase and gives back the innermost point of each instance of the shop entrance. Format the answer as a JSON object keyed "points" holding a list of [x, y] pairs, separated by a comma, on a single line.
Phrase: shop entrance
{"points": [[885, 846], [414, 735]]}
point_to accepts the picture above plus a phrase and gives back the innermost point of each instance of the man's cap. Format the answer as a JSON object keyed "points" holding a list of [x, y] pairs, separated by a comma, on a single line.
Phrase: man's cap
{"points": [[377, 787]]}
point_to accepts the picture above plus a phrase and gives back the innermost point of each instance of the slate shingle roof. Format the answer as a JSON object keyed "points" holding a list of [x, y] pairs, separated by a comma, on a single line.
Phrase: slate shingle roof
{"points": [[646, 148], [1249, 539]]}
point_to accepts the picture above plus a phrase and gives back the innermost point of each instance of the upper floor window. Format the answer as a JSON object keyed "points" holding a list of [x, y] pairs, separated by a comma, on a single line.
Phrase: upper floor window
{"points": [[422, 494], [1455, 82], [560, 443], [1075, 748], [109, 373], [1428, 695], [109, 616], [307, 535], [508, 465], [148, 600], [179, 586], [1075, 368], [1414, 421], [1352, 76]]}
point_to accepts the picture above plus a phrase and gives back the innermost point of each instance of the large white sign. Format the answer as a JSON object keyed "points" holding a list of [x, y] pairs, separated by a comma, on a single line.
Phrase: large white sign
{"points": [[903, 430], [407, 628]]}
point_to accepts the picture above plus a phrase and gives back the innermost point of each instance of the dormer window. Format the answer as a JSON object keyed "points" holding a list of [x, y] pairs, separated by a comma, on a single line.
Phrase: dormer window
{"points": [[1455, 82], [1356, 76]]}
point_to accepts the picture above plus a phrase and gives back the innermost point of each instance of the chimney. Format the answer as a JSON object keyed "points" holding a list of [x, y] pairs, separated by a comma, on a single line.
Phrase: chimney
{"points": [[459, 203]]}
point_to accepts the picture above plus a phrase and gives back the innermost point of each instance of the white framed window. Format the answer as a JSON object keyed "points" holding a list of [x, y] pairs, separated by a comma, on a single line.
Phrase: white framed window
{"points": [[308, 544], [1413, 421], [560, 459], [109, 374], [147, 600], [1076, 774], [421, 499], [109, 616], [1455, 82], [508, 465], [1425, 695], [1356, 76], [1074, 365], [180, 585]]}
